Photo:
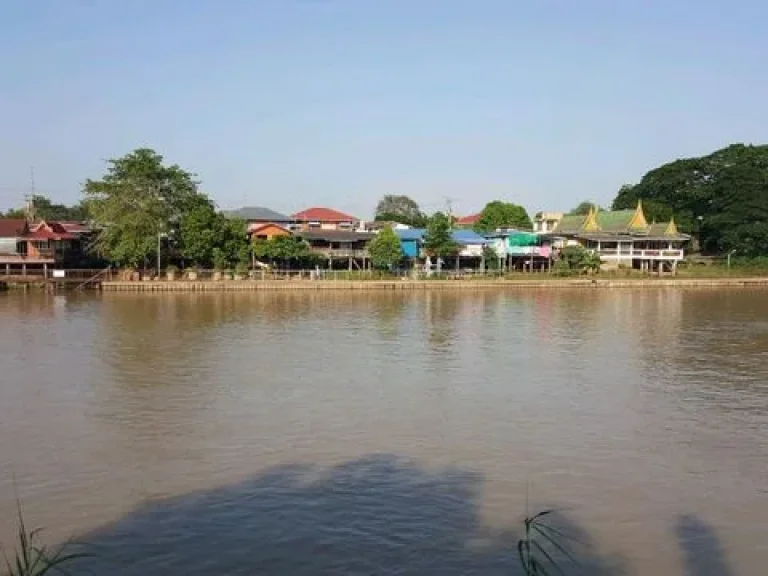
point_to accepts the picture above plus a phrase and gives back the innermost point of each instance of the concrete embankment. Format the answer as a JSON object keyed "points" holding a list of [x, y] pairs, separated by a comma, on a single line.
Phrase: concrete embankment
{"points": [[282, 285]]}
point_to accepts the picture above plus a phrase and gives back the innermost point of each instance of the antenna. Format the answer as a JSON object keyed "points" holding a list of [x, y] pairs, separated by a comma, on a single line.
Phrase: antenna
{"points": [[29, 200], [449, 208]]}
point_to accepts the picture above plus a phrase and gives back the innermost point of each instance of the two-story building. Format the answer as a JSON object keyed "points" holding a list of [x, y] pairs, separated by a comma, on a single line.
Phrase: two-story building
{"points": [[26, 246], [623, 238], [324, 219], [349, 248]]}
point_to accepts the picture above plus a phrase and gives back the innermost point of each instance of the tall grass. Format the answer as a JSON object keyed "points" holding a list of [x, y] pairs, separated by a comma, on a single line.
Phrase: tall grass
{"points": [[30, 559], [543, 550]]}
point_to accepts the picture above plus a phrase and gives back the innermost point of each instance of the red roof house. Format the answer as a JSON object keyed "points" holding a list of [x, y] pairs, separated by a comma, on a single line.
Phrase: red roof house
{"points": [[325, 218], [468, 221]]}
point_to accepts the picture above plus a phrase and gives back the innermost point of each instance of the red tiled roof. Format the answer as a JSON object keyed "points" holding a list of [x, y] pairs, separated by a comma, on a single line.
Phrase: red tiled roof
{"points": [[323, 215], [74, 227], [12, 227], [468, 220]]}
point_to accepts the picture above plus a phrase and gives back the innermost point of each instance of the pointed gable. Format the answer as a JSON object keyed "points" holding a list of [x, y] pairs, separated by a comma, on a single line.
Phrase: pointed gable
{"points": [[664, 229]]}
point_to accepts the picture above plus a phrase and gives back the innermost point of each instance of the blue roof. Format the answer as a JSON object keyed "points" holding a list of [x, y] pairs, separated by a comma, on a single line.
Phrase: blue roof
{"points": [[464, 237], [467, 237], [410, 233]]}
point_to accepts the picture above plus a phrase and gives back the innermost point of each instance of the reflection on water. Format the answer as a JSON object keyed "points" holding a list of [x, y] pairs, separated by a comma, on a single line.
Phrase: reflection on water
{"points": [[644, 413]]}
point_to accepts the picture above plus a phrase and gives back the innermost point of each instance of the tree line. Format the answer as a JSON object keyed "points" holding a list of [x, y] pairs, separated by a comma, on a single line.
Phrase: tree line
{"points": [[721, 199]]}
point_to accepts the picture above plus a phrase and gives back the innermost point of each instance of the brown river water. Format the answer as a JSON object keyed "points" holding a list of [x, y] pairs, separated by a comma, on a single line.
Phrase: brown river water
{"points": [[388, 433]]}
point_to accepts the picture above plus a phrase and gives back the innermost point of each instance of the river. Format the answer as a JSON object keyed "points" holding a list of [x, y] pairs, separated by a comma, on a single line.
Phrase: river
{"points": [[388, 433]]}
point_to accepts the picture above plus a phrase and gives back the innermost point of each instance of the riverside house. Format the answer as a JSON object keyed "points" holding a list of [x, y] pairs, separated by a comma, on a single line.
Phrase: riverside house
{"points": [[623, 238], [521, 249], [25, 246], [346, 247], [324, 219], [471, 245]]}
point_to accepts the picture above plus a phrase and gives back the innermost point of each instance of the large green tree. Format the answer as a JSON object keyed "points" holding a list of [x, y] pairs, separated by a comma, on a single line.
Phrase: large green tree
{"points": [[385, 250], [498, 214], [722, 198], [401, 209], [438, 240], [283, 249], [137, 199]]}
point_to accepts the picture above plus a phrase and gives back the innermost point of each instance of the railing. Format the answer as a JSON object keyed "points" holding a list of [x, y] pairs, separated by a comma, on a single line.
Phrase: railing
{"points": [[101, 275], [340, 252], [652, 254], [44, 257]]}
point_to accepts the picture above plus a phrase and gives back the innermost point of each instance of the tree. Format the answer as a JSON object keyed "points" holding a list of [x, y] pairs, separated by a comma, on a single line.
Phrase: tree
{"points": [[722, 198], [198, 233], [578, 259], [438, 241], [284, 249], [498, 214], [584, 207], [385, 249], [136, 200], [401, 209]]}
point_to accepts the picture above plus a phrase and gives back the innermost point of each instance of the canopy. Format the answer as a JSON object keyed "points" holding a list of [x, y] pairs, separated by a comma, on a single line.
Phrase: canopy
{"points": [[523, 239]]}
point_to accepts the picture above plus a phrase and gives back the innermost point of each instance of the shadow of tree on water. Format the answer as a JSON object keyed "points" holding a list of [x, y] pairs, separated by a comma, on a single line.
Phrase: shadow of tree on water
{"points": [[704, 554], [376, 515]]}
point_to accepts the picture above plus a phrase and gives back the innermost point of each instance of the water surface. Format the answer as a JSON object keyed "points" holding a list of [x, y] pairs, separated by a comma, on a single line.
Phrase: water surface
{"points": [[349, 433]]}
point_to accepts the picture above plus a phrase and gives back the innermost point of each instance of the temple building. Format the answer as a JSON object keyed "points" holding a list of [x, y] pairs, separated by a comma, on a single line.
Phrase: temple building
{"points": [[622, 238]]}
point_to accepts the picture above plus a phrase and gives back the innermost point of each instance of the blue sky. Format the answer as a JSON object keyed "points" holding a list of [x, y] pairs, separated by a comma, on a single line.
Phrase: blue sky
{"points": [[291, 103]]}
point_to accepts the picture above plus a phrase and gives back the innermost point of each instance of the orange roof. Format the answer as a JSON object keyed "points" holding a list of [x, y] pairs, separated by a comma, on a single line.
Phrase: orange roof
{"points": [[323, 215], [256, 227], [468, 220]]}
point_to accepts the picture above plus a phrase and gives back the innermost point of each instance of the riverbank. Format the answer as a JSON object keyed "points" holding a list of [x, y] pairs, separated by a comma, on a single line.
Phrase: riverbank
{"points": [[282, 285]]}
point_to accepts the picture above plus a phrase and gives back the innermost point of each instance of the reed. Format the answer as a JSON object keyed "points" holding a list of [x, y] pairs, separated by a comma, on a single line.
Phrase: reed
{"points": [[31, 559], [544, 549]]}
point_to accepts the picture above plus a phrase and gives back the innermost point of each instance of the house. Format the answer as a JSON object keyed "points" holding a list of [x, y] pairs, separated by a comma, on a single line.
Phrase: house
{"points": [[410, 241], [324, 219], [259, 215], [545, 222], [338, 245], [471, 244], [521, 248], [467, 221], [40, 244], [623, 237], [267, 231]]}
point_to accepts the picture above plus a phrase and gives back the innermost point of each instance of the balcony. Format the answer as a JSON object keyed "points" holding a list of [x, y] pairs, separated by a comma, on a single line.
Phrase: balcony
{"points": [[43, 256], [626, 254], [338, 252]]}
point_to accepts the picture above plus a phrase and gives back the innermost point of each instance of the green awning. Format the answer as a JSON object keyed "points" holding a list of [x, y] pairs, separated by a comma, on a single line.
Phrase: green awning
{"points": [[522, 239]]}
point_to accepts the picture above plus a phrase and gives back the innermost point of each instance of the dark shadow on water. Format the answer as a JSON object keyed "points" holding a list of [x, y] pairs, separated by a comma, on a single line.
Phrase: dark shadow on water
{"points": [[703, 552], [376, 515]]}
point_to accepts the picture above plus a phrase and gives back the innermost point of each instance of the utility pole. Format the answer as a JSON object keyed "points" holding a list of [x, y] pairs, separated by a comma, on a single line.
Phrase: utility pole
{"points": [[29, 201]]}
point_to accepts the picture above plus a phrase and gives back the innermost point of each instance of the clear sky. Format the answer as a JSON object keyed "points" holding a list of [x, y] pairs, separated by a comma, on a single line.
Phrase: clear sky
{"points": [[295, 103]]}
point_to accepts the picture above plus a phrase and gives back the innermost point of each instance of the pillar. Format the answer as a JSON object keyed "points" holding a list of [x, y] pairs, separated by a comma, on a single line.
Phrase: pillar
{"points": [[24, 269]]}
